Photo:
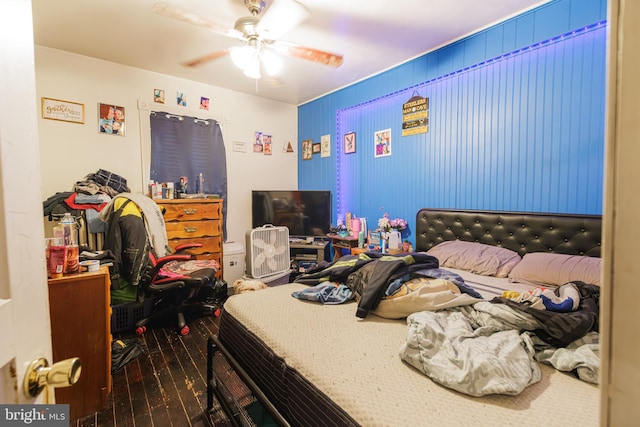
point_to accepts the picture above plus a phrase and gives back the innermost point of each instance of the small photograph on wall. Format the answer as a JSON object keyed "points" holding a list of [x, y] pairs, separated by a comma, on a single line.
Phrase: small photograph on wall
{"points": [[158, 96], [204, 103], [316, 148], [382, 141], [111, 119], [307, 149], [257, 143], [349, 142], [181, 99], [325, 145], [266, 142]]}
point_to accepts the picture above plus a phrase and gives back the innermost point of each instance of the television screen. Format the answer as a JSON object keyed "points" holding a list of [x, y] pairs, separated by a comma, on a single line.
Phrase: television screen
{"points": [[304, 212]]}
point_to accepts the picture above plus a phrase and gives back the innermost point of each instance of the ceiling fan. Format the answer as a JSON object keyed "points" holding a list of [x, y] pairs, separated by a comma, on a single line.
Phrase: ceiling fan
{"points": [[260, 47]]}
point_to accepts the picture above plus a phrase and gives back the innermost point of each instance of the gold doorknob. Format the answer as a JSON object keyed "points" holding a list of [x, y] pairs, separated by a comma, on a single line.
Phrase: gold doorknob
{"points": [[61, 374]]}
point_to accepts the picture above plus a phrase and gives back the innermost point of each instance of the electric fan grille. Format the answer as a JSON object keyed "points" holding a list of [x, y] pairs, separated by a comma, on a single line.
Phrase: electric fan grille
{"points": [[267, 251]]}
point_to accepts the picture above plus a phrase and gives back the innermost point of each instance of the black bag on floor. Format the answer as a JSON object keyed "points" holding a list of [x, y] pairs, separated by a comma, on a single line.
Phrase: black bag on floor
{"points": [[124, 351], [214, 294]]}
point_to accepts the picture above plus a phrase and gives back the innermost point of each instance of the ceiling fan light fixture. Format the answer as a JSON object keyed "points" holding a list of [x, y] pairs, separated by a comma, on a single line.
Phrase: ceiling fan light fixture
{"points": [[252, 69], [240, 56], [272, 63]]}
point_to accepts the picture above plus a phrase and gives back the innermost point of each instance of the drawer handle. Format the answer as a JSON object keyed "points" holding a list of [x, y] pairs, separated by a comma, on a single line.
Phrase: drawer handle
{"points": [[190, 229], [190, 211]]}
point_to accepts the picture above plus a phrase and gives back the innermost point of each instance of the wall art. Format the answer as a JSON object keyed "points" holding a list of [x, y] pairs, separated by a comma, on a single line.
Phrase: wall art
{"points": [[350, 142], [111, 119], [382, 141], [65, 111]]}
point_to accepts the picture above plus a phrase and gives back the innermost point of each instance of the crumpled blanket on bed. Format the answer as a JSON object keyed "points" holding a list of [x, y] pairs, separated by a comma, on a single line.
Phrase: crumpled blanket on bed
{"points": [[478, 350]]}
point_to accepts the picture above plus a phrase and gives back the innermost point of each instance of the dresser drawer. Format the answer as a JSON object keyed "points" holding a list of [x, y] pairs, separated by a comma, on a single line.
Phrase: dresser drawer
{"points": [[189, 229], [209, 245], [191, 211]]}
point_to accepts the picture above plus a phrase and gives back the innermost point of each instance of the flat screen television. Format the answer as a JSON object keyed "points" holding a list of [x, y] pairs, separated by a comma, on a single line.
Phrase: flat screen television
{"points": [[306, 213]]}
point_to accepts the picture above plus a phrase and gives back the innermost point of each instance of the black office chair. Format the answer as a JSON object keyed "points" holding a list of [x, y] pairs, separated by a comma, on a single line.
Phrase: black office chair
{"points": [[177, 282], [179, 285]]}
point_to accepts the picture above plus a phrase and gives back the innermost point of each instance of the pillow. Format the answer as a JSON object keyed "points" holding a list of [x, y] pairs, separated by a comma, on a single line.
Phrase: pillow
{"points": [[475, 257], [544, 269]]}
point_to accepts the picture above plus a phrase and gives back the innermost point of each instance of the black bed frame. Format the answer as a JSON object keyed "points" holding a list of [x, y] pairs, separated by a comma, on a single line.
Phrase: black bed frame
{"points": [[522, 232]]}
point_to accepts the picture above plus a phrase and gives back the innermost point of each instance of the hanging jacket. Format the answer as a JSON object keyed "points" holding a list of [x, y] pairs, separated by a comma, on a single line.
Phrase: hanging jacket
{"points": [[126, 238]]}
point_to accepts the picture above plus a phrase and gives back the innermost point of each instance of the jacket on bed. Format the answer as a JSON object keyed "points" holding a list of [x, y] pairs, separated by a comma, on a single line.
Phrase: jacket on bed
{"points": [[561, 329], [370, 287]]}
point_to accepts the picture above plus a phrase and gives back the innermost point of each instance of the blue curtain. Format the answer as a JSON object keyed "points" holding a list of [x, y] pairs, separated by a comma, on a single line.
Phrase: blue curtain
{"points": [[187, 146]]}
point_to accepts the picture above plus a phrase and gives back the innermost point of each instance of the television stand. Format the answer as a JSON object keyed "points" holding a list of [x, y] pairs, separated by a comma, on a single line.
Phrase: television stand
{"points": [[303, 251]]}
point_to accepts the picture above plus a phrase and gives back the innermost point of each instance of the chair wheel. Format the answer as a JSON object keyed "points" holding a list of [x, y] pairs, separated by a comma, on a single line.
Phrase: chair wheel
{"points": [[184, 330], [140, 330]]}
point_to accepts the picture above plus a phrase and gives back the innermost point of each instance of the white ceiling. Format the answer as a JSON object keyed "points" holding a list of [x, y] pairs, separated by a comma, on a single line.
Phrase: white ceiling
{"points": [[373, 35]]}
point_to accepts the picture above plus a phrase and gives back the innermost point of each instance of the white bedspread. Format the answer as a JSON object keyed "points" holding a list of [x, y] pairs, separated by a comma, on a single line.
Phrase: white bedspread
{"points": [[356, 363]]}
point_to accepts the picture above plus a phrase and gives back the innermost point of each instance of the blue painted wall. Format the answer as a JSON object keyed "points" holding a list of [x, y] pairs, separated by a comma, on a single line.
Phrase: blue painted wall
{"points": [[516, 122]]}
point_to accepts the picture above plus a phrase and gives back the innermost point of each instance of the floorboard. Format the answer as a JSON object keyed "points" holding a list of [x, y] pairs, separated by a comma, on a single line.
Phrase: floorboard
{"points": [[165, 386]]}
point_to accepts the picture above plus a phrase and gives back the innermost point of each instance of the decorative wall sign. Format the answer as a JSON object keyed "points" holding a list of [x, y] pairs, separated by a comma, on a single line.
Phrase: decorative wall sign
{"points": [[350, 142], [382, 140], [240, 146], [415, 115], [288, 147], [325, 145], [65, 111], [111, 119]]}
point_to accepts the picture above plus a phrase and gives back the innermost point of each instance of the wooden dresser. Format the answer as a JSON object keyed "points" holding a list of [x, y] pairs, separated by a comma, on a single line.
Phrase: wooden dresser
{"points": [[80, 327], [195, 221]]}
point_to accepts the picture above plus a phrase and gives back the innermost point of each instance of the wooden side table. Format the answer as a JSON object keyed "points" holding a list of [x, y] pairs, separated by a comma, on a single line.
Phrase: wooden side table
{"points": [[80, 313], [340, 243]]}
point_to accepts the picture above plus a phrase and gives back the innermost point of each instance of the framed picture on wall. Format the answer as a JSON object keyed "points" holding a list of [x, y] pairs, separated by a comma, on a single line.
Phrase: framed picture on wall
{"points": [[111, 119], [316, 148], [307, 149], [382, 141], [349, 142]]}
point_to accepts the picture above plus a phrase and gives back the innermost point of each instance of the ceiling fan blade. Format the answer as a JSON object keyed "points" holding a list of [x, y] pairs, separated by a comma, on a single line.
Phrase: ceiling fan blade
{"points": [[169, 11], [315, 55], [280, 17], [206, 58]]}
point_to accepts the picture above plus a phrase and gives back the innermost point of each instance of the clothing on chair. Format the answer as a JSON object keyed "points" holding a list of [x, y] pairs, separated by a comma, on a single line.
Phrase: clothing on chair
{"points": [[153, 219], [127, 239]]}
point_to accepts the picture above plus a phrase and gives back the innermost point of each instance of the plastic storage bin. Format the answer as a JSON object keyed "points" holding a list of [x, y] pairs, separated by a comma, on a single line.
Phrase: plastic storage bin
{"points": [[124, 316], [233, 254]]}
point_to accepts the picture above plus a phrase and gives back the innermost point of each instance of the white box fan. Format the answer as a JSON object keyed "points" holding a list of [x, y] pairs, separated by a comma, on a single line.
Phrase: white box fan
{"points": [[267, 251]]}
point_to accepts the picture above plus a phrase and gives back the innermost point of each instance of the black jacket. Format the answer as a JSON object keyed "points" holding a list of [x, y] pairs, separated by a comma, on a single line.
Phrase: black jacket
{"points": [[369, 284], [126, 237]]}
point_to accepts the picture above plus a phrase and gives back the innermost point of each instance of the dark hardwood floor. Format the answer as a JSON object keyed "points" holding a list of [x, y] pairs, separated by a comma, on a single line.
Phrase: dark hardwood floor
{"points": [[166, 386]]}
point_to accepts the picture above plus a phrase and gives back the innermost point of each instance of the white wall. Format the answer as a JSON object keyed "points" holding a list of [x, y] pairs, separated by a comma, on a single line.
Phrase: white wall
{"points": [[70, 151]]}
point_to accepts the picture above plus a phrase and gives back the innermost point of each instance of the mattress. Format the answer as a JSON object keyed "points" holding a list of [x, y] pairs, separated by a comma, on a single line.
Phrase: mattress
{"points": [[316, 359]]}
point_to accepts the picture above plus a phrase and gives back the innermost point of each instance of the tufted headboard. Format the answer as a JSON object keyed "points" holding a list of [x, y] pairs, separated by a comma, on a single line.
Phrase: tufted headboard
{"points": [[522, 232]]}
